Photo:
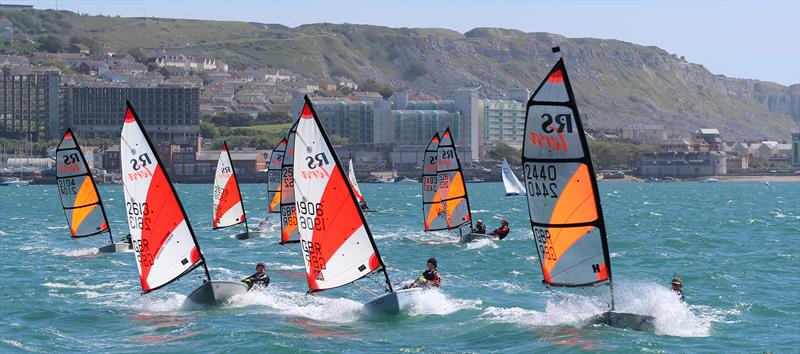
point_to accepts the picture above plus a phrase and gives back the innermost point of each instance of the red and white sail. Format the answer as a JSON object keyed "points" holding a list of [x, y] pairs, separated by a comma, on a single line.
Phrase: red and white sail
{"points": [[274, 176], [351, 176], [163, 240], [228, 209], [289, 232], [79, 197], [338, 247]]}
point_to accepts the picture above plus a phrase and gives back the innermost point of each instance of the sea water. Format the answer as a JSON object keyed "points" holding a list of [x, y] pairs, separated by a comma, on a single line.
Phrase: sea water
{"points": [[736, 246]]}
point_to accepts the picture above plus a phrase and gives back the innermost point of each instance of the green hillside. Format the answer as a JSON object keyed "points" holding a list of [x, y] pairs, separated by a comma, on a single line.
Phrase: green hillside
{"points": [[617, 83]]}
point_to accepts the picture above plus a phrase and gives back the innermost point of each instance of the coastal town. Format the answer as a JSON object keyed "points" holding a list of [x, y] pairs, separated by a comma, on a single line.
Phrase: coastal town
{"points": [[192, 104]]}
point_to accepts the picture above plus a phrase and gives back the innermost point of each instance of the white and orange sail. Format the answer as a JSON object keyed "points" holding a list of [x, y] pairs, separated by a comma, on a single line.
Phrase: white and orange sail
{"points": [[274, 176], [289, 232], [82, 204], [452, 187], [351, 176], [227, 206], [338, 247], [433, 214], [563, 199], [163, 240]]}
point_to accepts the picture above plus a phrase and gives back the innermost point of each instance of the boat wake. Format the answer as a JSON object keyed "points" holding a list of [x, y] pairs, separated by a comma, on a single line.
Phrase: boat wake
{"points": [[434, 302], [481, 243], [298, 304], [672, 317], [75, 252]]}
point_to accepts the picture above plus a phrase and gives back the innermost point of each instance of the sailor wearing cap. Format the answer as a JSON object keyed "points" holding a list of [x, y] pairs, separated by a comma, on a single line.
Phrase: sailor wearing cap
{"points": [[677, 284], [260, 278]]}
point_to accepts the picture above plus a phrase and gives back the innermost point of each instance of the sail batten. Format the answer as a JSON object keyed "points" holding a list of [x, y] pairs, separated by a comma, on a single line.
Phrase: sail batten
{"points": [[560, 185], [80, 199], [338, 247], [164, 243]]}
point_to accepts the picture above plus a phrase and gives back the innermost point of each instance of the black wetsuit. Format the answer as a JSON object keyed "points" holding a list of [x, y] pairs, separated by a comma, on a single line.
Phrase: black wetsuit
{"points": [[260, 279], [679, 292], [480, 229]]}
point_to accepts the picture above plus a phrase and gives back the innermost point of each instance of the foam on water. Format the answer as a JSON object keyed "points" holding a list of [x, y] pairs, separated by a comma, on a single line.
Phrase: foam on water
{"points": [[298, 304], [672, 317], [435, 302], [75, 252], [481, 243]]}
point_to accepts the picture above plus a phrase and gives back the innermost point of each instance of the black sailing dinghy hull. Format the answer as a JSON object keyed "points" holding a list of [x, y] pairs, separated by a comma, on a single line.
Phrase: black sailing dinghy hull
{"points": [[474, 236], [116, 247], [214, 293], [392, 303], [243, 236], [632, 321]]}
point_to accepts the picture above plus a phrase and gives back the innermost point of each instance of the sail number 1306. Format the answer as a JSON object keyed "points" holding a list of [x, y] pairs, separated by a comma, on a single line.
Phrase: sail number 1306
{"points": [[540, 180]]}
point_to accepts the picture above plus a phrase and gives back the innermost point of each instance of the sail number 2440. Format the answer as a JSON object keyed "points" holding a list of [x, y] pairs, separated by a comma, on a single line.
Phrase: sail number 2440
{"points": [[540, 180]]}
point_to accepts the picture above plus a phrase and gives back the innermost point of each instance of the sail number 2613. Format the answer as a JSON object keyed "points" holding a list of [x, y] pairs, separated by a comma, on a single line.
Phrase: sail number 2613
{"points": [[138, 215], [540, 180]]}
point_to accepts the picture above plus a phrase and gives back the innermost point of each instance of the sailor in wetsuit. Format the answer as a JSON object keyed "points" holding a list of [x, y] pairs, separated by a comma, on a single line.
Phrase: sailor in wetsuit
{"points": [[260, 278], [480, 228], [429, 278], [677, 285], [502, 231]]}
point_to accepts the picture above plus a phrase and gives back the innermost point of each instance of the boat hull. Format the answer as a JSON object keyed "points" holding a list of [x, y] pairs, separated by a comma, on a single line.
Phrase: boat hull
{"points": [[243, 236], [116, 247], [214, 293], [466, 238], [632, 321], [392, 303]]}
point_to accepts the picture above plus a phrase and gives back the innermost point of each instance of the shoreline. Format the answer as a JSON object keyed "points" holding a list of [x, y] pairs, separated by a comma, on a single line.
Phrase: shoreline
{"points": [[722, 179]]}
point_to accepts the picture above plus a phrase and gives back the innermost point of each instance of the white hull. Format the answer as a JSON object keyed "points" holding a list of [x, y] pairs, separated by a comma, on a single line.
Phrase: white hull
{"points": [[392, 303], [473, 236], [214, 293], [116, 247]]}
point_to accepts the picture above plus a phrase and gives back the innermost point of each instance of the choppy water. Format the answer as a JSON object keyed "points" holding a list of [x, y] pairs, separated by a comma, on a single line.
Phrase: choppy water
{"points": [[736, 245]]}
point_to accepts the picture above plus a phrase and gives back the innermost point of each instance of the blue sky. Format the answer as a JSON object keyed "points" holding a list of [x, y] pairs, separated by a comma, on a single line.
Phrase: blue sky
{"points": [[745, 39]]}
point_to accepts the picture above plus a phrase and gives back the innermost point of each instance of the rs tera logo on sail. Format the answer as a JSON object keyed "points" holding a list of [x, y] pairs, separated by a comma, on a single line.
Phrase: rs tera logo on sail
{"points": [[142, 162], [319, 160], [562, 122]]}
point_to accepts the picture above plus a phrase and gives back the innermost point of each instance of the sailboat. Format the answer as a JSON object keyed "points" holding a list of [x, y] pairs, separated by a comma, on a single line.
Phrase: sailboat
{"points": [[351, 176], [338, 247], [445, 201], [163, 240], [563, 199], [512, 185], [289, 232], [274, 176], [80, 199], [228, 207]]}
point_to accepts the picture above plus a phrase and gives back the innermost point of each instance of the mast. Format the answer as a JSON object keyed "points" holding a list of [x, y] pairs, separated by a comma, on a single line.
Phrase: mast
{"points": [[563, 199]]}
